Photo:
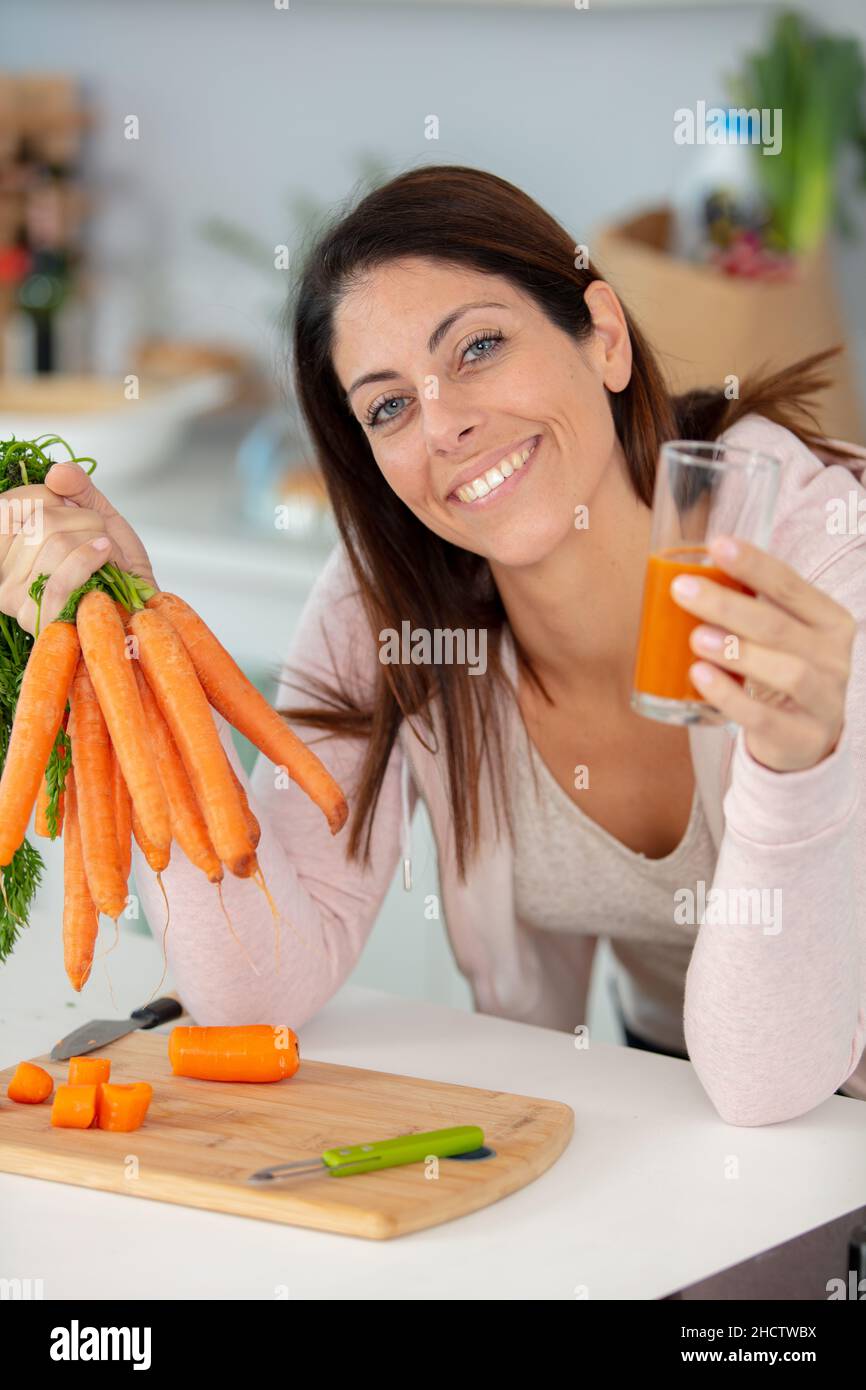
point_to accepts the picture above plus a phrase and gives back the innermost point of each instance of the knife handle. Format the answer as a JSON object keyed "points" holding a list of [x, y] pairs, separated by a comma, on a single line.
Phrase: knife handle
{"points": [[160, 1011]]}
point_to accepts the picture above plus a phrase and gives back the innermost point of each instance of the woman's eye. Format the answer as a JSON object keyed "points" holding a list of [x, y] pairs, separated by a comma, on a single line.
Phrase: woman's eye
{"points": [[372, 418], [493, 341], [378, 413]]}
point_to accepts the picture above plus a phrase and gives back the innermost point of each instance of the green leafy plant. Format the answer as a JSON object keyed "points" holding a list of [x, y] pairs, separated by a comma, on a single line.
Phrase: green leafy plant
{"points": [[817, 80], [25, 461]]}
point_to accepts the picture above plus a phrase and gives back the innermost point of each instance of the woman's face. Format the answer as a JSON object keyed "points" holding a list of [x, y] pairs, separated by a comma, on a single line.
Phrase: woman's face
{"points": [[489, 422]]}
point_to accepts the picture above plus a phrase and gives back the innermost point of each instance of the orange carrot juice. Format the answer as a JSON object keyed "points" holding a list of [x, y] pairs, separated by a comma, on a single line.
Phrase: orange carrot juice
{"points": [[664, 655]]}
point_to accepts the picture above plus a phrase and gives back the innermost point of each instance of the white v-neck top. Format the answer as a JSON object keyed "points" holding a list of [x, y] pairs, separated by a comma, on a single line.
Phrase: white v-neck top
{"points": [[571, 875]]}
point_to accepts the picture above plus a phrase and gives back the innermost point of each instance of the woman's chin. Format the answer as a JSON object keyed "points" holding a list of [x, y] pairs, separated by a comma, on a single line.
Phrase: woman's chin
{"points": [[529, 546]]}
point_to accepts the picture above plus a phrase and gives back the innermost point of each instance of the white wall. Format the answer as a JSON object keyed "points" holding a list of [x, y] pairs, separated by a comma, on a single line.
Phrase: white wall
{"points": [[239, 103]]}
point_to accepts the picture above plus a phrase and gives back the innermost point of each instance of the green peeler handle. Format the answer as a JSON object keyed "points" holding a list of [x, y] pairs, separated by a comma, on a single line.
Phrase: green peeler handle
{"points": [[407, 1148]]}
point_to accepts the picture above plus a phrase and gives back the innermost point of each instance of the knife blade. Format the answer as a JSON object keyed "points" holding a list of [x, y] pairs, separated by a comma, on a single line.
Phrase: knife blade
{"points": [[100, 1032]]}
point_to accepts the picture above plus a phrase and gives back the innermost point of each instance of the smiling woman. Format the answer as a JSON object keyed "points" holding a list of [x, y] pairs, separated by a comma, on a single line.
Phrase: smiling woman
{"points": [[488, 416], [517, 389]]}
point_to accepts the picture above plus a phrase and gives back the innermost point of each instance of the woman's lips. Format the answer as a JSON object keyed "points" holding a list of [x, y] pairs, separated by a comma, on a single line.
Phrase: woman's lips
{"points": [[503, 489]]}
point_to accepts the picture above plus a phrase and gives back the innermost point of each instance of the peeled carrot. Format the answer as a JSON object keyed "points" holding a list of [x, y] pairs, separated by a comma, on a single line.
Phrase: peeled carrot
{"points": [[88, 1071], [172, 678], [253, 826], [122, 1107], [94, 787], [156, 855], [256, 1052], [40, 820], [238, 701], [187, 822], [102, 637], [122, 818], [40, 815], [30, 1085], [80, 918], [38, 716], [74, 1106]]}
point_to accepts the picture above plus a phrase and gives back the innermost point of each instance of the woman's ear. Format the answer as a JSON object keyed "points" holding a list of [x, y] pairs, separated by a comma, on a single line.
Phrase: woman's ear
{"points": [[611, 340]]}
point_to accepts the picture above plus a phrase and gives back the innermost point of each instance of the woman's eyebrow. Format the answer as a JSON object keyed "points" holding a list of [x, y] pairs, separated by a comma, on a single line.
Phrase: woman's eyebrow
{"points": [[432, 342]]}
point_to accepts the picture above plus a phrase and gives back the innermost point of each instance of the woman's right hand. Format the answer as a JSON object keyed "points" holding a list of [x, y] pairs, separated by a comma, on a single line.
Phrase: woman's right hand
{"points": [[64, 528]]}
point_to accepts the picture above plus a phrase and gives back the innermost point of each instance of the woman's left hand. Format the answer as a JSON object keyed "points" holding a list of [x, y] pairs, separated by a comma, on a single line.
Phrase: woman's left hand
{"points": [[793, 641]]}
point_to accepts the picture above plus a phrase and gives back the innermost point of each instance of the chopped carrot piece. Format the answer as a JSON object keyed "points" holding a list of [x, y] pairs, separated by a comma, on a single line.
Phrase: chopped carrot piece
{"points": [[256, 1052], [88, 1071], [74, 1107], [122, 1107], [30, 1085]]}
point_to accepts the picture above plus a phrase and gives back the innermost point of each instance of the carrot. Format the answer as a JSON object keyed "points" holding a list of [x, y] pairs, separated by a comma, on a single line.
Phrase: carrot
{"points": [[94, 785], [122, 818], [187, 822], [172, 678], [40, 820], [156, 856], [102, 637], [238, 701], [74, 1106], [255, 1052], [122, 1107], [30, 1085], [88, 1071], [38, 716], [80, 918], [253, 826], [40, 815]]}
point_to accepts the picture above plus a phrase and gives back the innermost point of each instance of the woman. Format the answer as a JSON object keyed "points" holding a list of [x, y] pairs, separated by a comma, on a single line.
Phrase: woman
{"points": [[467, 388]]}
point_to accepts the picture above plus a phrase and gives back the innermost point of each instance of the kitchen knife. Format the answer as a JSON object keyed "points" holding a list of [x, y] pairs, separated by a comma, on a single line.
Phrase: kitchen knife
{"points": [[90, 1037], [382, 1153]]}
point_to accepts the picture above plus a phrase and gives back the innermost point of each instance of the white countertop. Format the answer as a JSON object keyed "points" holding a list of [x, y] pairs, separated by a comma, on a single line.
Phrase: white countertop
{"points": [[640, 1204]]}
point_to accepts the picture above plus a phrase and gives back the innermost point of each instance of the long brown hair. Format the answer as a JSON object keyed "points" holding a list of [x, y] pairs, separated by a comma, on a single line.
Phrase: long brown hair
{"points": [[464, 216]]}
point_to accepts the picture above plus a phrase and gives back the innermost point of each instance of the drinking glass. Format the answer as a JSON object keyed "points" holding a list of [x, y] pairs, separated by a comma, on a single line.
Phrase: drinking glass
{"points": [[702, 490]]}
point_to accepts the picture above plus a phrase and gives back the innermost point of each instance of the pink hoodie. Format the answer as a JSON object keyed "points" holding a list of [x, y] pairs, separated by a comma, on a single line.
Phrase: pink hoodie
{"points": [[774, 1022]]}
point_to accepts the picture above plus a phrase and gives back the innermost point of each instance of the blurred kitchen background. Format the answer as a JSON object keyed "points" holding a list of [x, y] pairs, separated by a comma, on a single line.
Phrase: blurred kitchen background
{"points": [[161, 165]]}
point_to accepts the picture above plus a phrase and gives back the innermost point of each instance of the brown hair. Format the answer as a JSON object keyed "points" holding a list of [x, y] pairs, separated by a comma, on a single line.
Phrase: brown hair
{"points": [[470, 218]]}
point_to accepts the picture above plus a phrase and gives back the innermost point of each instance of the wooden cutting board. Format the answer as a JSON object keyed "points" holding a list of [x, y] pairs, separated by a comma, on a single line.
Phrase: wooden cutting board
{"points": [[202, 1139]]}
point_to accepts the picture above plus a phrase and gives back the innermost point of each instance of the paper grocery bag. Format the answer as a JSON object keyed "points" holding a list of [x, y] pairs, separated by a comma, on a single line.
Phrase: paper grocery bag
{"points": [[707, 326]]}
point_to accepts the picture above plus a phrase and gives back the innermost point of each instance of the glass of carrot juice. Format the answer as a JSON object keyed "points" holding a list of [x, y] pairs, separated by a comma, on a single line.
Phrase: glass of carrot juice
{"points": [[702, 490]]}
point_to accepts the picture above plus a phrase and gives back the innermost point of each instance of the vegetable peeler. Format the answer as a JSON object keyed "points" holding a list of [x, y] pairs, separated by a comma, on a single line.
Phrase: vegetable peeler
{"points": [[382, 1153]]}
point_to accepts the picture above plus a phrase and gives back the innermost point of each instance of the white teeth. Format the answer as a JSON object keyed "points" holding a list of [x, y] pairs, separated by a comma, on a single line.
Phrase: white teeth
{"points": [[486, 482]]}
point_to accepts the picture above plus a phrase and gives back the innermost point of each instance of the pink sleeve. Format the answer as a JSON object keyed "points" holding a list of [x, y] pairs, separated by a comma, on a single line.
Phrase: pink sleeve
{"points": [[327, 903], [775, 1012]]}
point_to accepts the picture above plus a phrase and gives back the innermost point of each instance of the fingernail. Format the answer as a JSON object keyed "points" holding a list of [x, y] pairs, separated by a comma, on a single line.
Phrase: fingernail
{"points": [[101, 543], [710, 638], [726, 548], [701, 673], [685, 585]]}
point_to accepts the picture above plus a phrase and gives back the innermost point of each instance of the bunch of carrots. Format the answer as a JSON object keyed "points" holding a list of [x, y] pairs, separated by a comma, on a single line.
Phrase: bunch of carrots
{"points": [[113, 738]]}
